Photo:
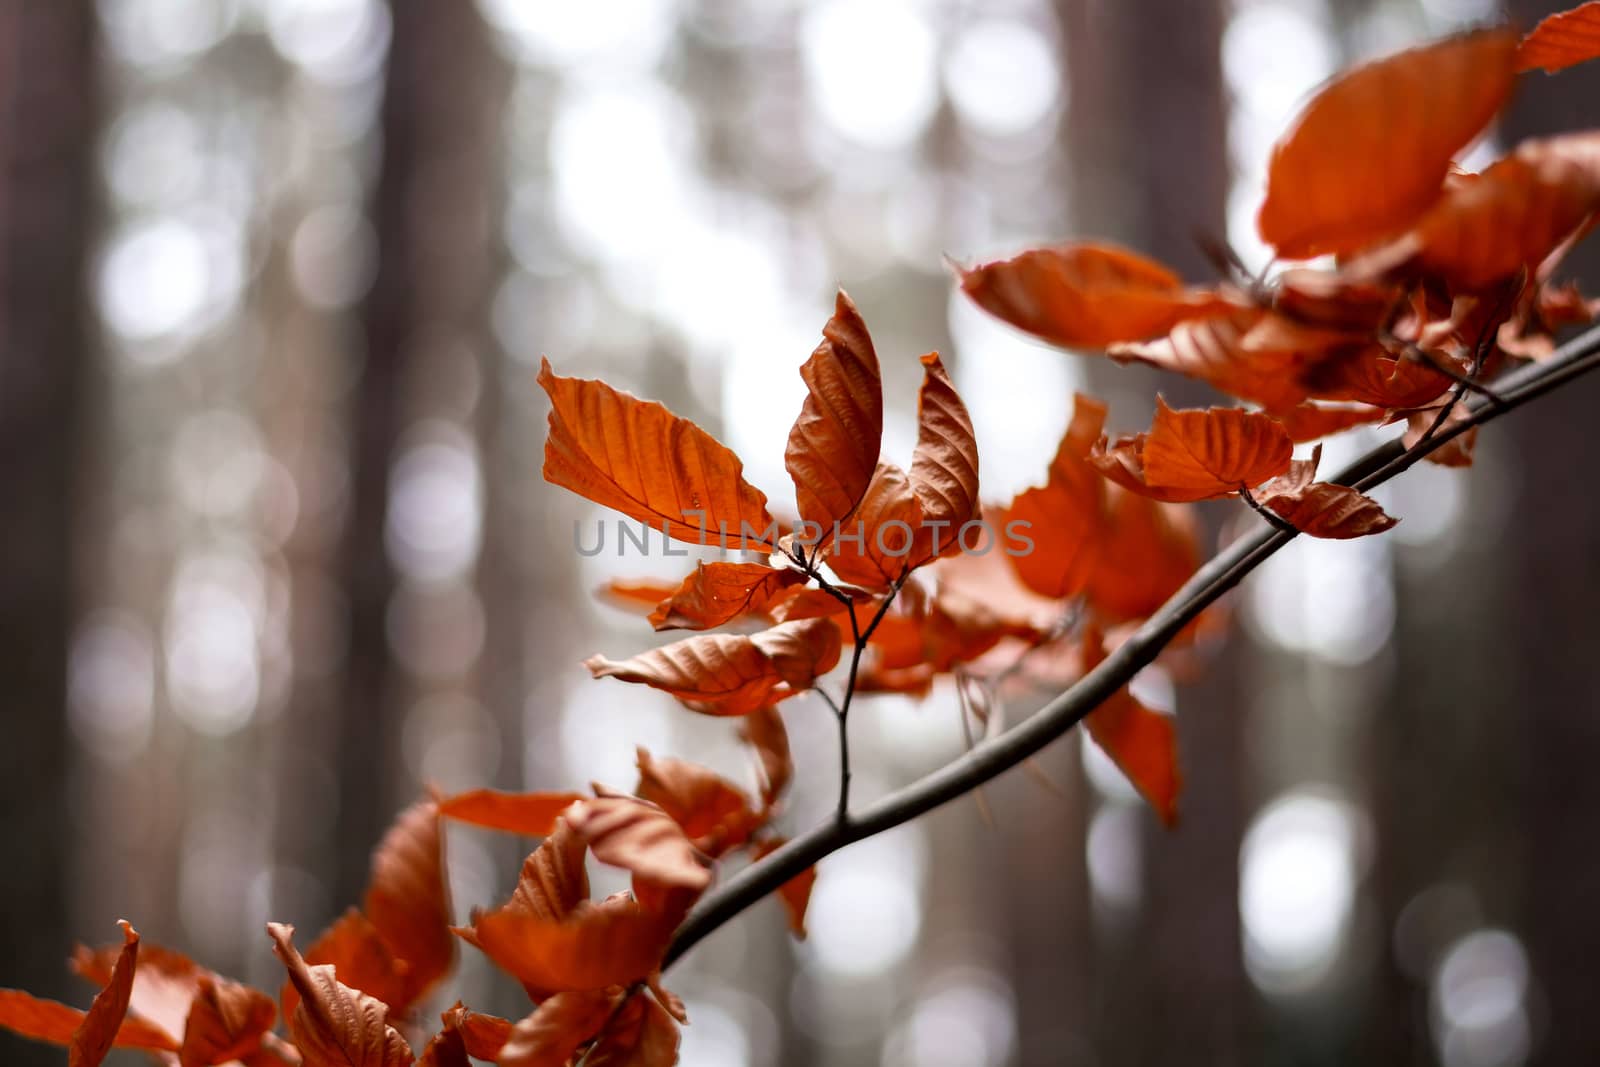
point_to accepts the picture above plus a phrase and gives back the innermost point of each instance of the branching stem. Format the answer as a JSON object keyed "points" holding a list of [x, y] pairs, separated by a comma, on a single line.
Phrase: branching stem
{"points": [[995, 756]]}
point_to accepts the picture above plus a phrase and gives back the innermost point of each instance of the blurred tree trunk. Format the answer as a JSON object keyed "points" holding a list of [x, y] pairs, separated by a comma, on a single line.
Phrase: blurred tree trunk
{"points": [[47, 88], [1146, 142], [1550, 621], [429, 214]]}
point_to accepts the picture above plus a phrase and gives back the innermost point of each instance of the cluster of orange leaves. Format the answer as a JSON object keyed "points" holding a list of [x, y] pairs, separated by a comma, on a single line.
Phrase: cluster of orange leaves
{"points": [[1439, 276]]}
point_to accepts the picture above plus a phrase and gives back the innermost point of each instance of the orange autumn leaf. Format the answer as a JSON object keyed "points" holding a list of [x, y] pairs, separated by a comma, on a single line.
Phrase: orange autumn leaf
{"points": [[1197, 455], [334, 1025], [1323, 509], [408, 900], [1338, 181], [764, 731], [1085, 295], [795, 894], [445, 1049], [1311, 421], [55, 1023], [802, 602], [529, 814], [165, 982], [1512, 216], [226, 1021], [944, 467], [97, 1032], [881, 541], [714, 813], [636, 457], [90, 1035], [1457, 452], [1064, 516], [1562, 40], [595, 946], [482, 1035], [553, 880], [360, 957], [635, 595], [553, 1033], [1214, 350], [1379, 381], [640, 838], [719, 592], [833, 446], [1149, 551], [732, 674], [1331, 300], [1142, 743], [642, 1034]]}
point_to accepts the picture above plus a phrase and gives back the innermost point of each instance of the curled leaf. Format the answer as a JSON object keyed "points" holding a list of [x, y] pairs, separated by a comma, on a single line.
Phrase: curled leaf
{"points": [[715, 814], [334, 1025], [732, 674], [640, 838], [833, 447], [944, 467]]}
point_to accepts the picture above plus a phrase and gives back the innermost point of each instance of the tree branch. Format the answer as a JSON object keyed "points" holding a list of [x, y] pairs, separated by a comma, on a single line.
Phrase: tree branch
{"points": [[997, 755]]}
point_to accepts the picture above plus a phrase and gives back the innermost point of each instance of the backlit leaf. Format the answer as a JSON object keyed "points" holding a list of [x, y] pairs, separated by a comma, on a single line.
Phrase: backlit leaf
{"points": [[54, 1022], [226, 1021], [1142, 743], [1340, 180], [795, 894], [529, 814], [1150, 550], [408, 899], [636, 457], [765, 732], [1513, 215], [1064, 516], [1085, 295], [1562, 40]]}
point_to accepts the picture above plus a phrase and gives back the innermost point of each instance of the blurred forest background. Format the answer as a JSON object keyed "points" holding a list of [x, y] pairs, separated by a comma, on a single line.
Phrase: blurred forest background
{"points": [[275, 282]]}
